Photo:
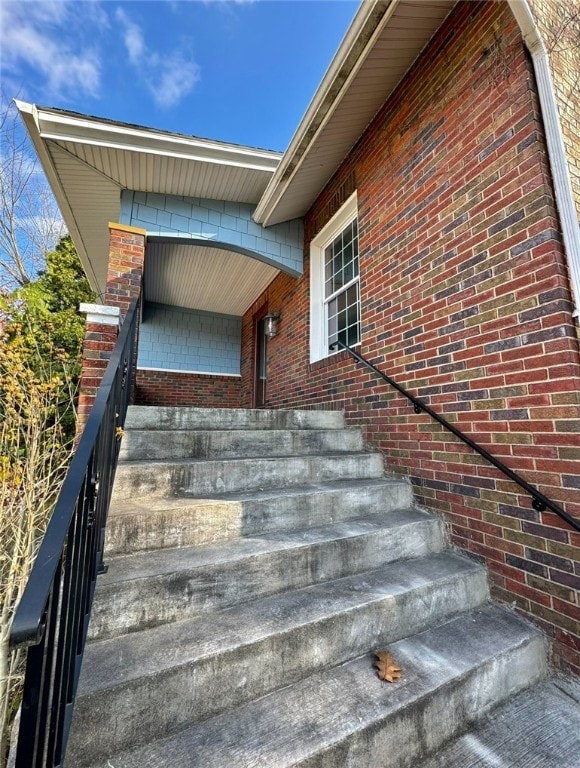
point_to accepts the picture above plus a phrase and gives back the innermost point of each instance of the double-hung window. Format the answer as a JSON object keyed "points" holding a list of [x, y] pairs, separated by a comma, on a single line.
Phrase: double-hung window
{"points": [[334, 283]]}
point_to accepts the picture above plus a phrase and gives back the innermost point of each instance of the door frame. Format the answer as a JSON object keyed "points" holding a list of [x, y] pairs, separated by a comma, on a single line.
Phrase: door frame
{"points": [[258, 315]]}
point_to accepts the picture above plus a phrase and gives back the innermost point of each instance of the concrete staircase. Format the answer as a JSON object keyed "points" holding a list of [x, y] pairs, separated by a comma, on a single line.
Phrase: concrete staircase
{"points": [[256, 559]]}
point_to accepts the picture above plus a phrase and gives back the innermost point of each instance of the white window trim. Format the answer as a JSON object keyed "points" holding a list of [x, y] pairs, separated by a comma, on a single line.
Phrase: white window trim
{"points": [[318, 326]]}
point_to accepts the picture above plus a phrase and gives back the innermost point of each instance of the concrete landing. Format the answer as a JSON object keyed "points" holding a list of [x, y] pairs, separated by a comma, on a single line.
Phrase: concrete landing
{"points": [[539, 728]]}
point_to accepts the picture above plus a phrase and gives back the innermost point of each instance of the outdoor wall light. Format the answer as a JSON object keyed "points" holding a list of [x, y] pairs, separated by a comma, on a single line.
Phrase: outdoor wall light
{"points": [[271, 324]]}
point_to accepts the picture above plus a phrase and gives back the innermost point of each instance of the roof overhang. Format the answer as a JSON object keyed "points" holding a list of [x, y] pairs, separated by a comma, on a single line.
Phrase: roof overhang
{"points": [[383, 41], [89, 161]]}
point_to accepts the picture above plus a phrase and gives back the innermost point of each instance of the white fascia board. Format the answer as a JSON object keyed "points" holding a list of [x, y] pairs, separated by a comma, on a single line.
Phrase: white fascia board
{"points": [[318, 108], [555, 142], [67, 128], [29, 114]]}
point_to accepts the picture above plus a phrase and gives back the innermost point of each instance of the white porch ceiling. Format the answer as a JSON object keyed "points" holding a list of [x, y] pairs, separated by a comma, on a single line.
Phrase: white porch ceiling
{"points": [[205, 278], [384, 40]]}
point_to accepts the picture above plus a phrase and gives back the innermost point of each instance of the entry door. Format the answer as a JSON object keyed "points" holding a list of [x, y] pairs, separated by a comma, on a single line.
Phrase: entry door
{"points": [[261, 344]]}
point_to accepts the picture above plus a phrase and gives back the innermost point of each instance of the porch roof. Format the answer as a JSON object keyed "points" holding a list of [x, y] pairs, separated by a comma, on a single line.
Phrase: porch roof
{"points": [[89, 161]]}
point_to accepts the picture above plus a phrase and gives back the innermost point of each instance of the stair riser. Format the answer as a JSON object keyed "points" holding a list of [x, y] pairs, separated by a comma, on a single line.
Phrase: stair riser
{"points": [[139, 445], [203, 478], [140, 603], [415, 731], [153, 707], [149, 417], [200, 522]]}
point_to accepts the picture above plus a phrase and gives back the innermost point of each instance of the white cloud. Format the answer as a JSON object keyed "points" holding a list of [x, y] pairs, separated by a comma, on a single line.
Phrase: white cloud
{"points": [[132, 36], [168, 77], [63, 43], [175, 78], [34, 36]]}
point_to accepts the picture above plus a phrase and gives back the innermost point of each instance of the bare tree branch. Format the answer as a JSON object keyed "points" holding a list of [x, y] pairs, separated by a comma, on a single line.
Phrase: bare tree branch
{"points": [[30, 222]]}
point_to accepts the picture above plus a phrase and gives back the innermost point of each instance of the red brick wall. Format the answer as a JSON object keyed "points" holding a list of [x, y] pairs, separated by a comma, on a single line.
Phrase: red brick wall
{"points": [[125, 272], [124, 279], [98, 345], [165, 388], [466, 301]]}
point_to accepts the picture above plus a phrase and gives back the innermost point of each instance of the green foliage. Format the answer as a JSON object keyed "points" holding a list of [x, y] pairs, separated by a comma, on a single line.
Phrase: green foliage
{"points": [[36, 411], [44, 316]]}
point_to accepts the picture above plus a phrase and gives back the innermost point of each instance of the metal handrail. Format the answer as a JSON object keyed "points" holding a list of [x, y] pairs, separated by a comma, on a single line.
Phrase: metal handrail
{"points": [[539, 501], [52, 618]]}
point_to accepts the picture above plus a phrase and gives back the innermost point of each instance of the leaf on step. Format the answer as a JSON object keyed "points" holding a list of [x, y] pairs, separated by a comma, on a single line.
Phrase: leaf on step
{"points": [[387, 669]]}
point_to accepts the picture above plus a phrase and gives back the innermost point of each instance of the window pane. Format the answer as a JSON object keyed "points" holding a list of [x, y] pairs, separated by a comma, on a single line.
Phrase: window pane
{"points": [[352, 314], [327, 270], [353, 335], [341, 266], [332, 329], [351, 294], [341, 260]]}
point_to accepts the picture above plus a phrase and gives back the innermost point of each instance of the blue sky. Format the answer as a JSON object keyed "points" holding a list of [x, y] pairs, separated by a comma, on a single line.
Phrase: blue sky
{"points": [[239, 70]]}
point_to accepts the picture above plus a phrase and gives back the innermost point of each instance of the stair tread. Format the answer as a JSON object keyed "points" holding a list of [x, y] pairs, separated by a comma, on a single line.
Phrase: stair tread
{"points": [[166, 561], [323, 710], [552, 708], [258, 432], [167, 417], [248, 460], [151, 444], [195, 477], [144, 503], [113, 662]]}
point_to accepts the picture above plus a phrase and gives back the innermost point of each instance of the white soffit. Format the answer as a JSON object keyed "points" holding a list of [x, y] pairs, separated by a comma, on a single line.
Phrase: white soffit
{"points": [[209, 279], [384, 40], [89, 161]]}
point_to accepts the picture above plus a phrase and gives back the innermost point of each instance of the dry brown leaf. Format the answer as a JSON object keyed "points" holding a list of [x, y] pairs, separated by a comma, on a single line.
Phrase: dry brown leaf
{"points": [[387, 669]]}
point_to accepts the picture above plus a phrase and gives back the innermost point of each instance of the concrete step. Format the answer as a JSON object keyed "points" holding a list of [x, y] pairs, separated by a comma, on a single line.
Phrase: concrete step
{"points": [[144, 444], [539, 727], [346, 716], [151, 523], [151, 588], [199, 477], [142, 686], [170, 418]]}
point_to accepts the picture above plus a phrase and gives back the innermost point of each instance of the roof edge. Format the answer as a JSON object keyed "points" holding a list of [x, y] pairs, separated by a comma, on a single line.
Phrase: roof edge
{"points": [[60, 125], [29, 115], [367, 24]]}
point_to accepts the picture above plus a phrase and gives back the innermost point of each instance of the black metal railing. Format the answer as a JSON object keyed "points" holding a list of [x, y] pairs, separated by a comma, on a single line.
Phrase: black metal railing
{"points": [[539, 501], [53, 615]]}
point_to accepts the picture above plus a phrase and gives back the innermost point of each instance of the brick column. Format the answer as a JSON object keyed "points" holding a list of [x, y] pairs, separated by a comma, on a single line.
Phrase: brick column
{"points": [[125, 272], [101, 331], [124, 280]]}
